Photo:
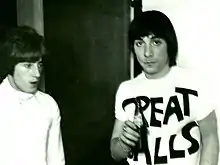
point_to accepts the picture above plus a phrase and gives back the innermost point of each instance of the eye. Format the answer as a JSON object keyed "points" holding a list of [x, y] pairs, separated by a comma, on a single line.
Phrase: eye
{"points": [[156, 42], [27, 65], [40, 65], [139, 43]]}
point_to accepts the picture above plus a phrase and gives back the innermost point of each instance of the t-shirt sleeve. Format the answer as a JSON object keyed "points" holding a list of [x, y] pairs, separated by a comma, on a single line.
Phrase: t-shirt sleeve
{"points": [[123, 93], [207, 97]]}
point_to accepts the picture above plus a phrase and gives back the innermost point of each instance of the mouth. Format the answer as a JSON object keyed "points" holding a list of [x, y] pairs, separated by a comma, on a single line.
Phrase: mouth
{"points": [[150, 62], [34, 83]]}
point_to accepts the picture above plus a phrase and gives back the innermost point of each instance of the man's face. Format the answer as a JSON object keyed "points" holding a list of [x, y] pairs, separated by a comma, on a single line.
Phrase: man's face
{"points": [[152, 55], [26, 76]]}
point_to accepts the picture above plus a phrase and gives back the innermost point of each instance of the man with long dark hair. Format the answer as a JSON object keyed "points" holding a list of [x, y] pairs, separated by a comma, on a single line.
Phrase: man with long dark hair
{"points": [[30, 119], [165, 115]]}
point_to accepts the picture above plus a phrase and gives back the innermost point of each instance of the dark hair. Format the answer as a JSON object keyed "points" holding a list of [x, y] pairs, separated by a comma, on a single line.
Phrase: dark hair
{"points": [[156, 23], [22, 44]]}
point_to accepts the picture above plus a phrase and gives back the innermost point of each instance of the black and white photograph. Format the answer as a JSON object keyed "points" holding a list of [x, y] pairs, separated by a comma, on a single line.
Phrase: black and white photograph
{"points": [[109, 82]]}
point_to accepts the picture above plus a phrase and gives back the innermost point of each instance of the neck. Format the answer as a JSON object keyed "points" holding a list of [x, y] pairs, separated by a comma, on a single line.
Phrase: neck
{"points": [[159, 75], [12, 83]]}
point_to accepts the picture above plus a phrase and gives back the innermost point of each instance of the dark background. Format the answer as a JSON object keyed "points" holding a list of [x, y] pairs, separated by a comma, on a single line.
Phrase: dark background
{"points": [[88, 59], [8, 20], [8, 16]]}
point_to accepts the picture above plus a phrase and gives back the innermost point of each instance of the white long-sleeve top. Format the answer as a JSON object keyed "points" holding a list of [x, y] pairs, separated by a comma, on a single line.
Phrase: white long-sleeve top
{"points": [[29, 128]]}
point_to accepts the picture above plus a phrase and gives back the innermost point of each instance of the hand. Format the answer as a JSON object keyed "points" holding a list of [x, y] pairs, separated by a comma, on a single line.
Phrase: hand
{"points": [[130, 134]]}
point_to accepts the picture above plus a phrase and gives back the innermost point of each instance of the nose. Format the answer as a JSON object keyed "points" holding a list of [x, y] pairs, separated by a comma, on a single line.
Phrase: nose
{"points": [[36, 71], [148, 50]]}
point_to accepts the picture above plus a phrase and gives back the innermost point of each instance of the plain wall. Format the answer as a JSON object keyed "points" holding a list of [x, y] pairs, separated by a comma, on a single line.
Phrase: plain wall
{"points": [[88, 59]]}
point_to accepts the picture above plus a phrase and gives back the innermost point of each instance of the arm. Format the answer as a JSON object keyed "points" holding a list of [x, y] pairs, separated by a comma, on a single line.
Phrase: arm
{"points": [[124, 137], [55, 154], [210, 144]]}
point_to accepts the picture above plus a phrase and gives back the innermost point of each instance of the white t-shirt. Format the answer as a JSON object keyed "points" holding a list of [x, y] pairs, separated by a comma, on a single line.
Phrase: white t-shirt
{"points": [[172, 106], [30, 128]]}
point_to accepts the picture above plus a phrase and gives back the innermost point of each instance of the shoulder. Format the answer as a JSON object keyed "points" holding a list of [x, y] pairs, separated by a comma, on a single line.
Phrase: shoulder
{"points": [[45, 97], [48, 101], [2, 91], [3, 86], [133, 82], [127, 88]]}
